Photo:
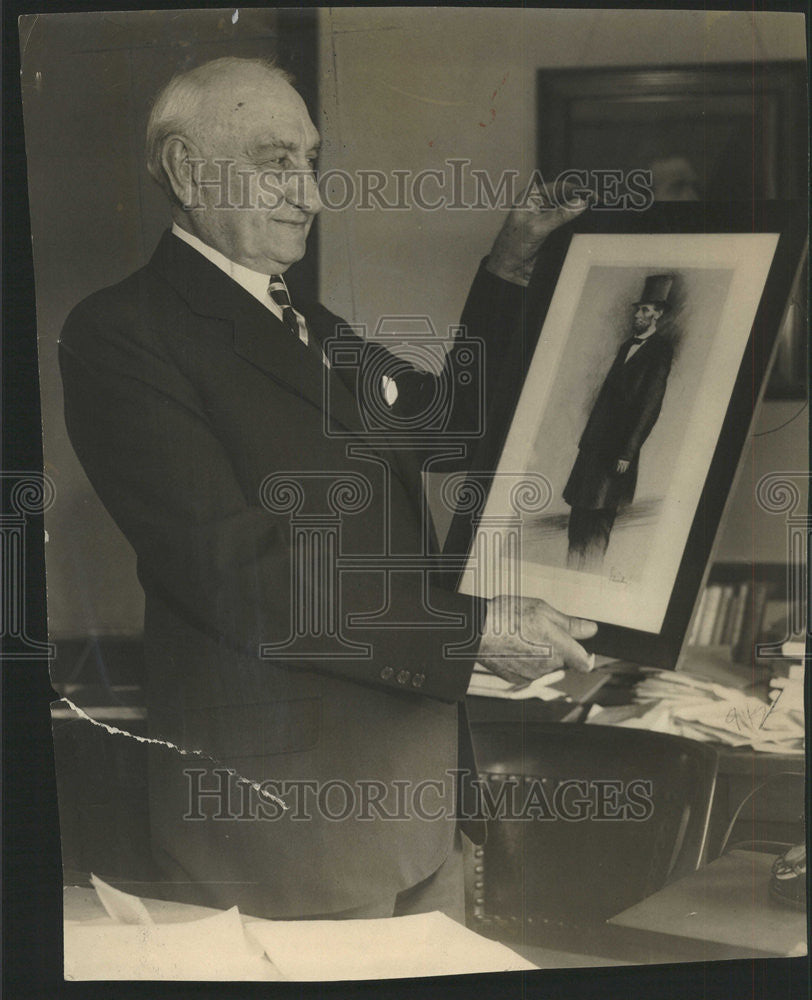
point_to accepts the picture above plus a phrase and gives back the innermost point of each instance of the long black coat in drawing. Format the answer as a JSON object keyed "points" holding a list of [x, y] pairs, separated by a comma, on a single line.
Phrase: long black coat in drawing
{"points": [[622, 417]]}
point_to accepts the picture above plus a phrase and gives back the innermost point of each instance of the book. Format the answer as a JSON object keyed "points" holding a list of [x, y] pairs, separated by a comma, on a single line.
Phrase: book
{"points": [[737, 617], [709, 618], [699, 617], [722, 612], [753, 622]]}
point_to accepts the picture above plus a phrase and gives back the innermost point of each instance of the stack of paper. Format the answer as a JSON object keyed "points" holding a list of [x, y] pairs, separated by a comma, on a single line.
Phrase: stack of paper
{"points": [[685, 705], [215, 948], [794, 649], [572, 685], [488, 685], [787, 690], [128, 944]]}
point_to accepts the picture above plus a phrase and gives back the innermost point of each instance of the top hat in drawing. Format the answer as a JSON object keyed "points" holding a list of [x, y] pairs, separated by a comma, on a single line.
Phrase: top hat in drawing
{"points": [[656, 291]]}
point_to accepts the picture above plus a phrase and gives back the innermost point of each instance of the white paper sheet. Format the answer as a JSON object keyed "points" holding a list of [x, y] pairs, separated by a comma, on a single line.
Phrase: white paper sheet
{"points": [[489, 685], [215, 948], [426, 944]]}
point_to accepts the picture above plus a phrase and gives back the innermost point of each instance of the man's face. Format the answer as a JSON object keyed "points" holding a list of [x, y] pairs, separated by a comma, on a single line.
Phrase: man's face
{"points": [[259, 195], [644, 315]]}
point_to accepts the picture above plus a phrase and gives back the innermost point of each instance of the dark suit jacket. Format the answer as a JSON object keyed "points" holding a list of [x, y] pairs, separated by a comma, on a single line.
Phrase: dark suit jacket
{"points": [[182, 394], [622, 417]]}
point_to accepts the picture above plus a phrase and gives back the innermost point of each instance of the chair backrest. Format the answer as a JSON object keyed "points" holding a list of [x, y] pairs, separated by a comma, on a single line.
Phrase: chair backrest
{"points": [[583, 821]]}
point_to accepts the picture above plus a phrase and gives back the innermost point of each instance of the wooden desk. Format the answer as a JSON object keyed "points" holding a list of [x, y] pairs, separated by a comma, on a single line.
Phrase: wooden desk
{"points": [[722, 912], [727, 902]]}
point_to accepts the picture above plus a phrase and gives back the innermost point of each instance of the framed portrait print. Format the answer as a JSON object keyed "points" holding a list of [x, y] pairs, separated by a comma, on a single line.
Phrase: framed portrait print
{"points": [[634, 409]]}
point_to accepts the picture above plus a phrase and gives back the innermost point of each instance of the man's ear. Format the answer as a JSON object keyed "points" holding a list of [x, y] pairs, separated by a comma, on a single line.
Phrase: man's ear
{"points": [[181, 168]]}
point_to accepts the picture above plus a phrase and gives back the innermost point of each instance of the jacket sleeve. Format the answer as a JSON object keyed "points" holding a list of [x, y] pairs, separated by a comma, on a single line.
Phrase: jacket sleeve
{"points": [[483, 370], [221, 560]]}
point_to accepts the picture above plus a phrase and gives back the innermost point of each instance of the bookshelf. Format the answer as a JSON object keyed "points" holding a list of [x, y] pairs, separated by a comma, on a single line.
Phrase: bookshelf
{"points": [[742, 605]]}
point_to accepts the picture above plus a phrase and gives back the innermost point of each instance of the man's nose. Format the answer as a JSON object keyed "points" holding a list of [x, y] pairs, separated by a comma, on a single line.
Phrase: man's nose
{"points": [[302, 191]]}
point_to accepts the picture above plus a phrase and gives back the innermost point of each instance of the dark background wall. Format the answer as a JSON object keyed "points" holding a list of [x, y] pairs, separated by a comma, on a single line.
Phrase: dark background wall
{"points": [[96, 215]]}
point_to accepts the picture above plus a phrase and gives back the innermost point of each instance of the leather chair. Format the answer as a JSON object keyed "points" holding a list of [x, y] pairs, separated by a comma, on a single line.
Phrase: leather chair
{"points": [[584, 822]]}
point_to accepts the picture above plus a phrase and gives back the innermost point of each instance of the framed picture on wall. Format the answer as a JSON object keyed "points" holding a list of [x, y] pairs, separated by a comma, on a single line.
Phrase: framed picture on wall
{"points": [[634, 410], [715, 133], [712, 133]]}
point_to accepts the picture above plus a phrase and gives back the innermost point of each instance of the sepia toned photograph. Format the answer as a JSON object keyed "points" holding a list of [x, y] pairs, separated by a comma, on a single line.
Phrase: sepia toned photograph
{"points": [[410, 579]]}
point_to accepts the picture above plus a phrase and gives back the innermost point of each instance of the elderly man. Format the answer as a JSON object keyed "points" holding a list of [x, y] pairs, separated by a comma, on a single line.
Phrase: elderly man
{"points": [[293, 785]]}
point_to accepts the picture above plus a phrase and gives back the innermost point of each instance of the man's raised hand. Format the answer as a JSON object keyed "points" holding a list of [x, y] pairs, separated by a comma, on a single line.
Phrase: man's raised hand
{"points": [[529, 223]]}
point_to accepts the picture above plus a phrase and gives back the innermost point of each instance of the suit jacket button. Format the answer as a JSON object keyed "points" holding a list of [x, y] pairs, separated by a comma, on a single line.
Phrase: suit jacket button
{"points": [[386, 673], [403, 677], [417, 680]]}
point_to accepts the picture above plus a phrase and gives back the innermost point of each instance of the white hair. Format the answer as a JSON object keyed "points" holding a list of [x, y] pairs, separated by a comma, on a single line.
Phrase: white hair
{"points": [[180, 108]]}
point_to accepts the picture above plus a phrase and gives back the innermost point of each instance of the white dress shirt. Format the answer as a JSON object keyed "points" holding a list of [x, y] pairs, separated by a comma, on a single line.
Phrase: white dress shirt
{"points": [[636, 347], [254, 282]]}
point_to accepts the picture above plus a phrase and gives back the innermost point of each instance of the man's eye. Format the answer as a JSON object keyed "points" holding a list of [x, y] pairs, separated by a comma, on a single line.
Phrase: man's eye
{"points": [[275, 162]]}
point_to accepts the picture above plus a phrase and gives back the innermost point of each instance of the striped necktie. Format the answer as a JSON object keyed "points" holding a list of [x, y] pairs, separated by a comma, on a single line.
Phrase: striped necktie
{"points": [[278, 291]]}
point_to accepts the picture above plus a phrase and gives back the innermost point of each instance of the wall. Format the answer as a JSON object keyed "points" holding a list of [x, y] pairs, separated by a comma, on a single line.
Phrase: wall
{"points": [[96, 216], [409, 89], [779, 443]]}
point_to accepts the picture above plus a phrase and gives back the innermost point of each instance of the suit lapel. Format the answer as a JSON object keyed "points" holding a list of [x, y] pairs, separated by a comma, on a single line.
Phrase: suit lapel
{"points": [[266, 343], [258, 336], [263, 341]]}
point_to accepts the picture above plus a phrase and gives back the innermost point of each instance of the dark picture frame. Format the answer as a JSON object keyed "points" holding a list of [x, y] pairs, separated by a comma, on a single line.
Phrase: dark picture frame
{"points": [[716, 132], [660, 648]]}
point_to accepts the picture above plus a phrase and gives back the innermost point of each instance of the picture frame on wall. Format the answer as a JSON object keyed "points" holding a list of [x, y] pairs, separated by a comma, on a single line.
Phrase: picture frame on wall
{"points": [[653, 349], [718, 132]]}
